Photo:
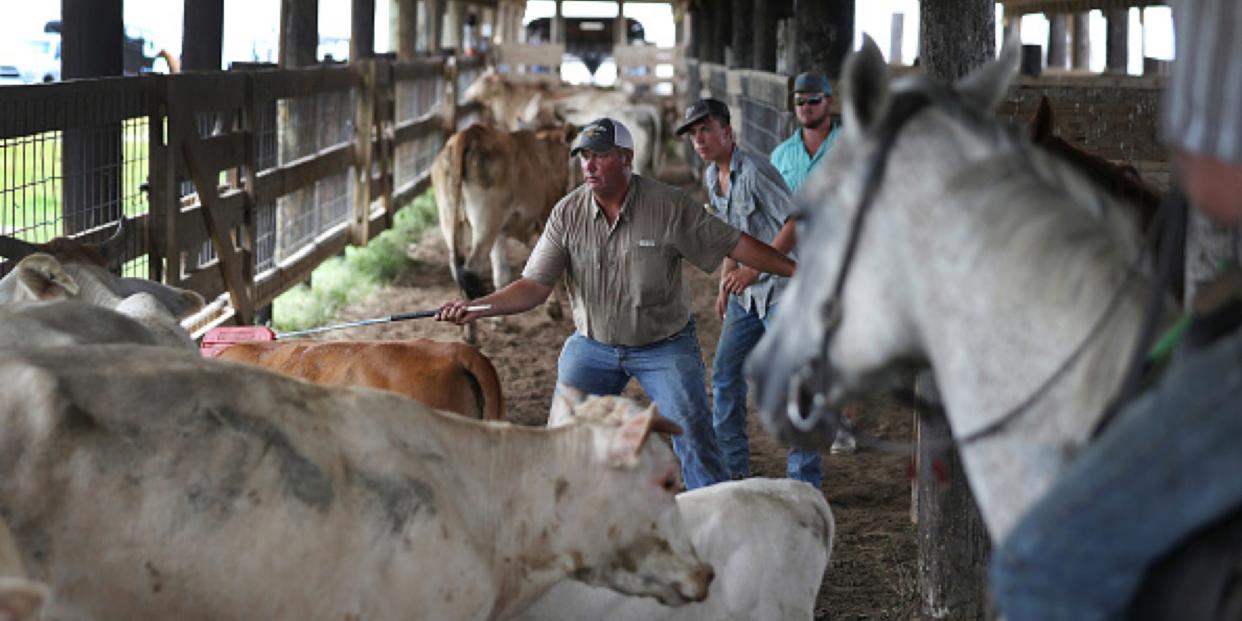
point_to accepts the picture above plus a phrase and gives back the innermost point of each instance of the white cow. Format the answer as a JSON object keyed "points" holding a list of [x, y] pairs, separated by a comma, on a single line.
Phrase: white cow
{"points": [[90, 301], [769, 541], [143, 484]]}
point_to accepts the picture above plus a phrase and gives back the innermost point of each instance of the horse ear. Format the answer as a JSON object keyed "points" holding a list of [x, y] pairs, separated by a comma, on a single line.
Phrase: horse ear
{"points": [[865, 77], [984, 87], [1042, 123]]}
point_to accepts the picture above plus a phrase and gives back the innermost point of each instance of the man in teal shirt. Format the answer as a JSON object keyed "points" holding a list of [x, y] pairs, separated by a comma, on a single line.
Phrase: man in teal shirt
{"points": [[795, 158]]}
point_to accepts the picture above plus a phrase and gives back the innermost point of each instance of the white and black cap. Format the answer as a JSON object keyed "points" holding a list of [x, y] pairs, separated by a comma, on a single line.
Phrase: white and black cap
{"points": [[603, 134]]}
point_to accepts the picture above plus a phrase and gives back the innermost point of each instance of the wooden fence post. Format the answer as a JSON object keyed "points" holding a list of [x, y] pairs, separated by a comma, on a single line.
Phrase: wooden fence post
{"points": [[364, 117]]}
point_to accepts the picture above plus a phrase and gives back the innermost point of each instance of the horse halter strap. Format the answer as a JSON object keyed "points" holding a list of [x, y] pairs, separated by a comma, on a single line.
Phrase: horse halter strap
{"points": [[902, 108]]}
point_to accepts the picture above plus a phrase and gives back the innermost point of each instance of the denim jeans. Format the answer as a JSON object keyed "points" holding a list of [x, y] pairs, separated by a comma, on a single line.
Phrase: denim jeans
{"points": [[741, 330], [672, 373], [1167, 465]]}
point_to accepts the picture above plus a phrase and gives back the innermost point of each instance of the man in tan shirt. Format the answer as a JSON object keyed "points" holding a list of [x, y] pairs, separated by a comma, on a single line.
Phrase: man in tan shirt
{"points": [[620, 239]]}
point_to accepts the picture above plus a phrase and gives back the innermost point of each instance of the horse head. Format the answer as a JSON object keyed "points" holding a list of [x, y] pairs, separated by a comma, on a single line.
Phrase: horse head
{"points": [[824, 348]]}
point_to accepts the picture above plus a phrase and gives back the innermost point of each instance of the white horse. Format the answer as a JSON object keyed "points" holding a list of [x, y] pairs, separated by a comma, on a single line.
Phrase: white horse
{"points": [[995, 264]]}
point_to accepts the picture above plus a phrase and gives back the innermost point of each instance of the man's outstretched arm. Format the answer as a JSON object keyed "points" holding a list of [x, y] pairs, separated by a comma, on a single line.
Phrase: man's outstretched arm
{"points": [[519, 296], [761, 256]]}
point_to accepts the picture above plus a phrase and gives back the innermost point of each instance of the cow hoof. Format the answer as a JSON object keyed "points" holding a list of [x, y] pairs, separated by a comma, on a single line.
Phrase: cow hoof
{"points": [[555, 312]]}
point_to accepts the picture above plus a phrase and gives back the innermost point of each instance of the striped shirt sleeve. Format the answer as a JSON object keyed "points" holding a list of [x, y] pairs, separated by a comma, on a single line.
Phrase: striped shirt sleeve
{"points": [[1203, 103]]}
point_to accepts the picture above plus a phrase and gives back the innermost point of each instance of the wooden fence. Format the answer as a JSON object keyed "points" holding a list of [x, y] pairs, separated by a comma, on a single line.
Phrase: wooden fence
{"points": [[237, 183]]}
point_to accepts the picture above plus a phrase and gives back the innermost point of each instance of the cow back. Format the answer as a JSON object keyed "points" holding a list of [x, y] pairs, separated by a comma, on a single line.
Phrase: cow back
{"points": [[454, 377]]}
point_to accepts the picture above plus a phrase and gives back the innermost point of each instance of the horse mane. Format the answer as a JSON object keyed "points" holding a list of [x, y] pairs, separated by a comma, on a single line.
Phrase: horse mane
{"points": [[1122, 181], [1044, 207]]}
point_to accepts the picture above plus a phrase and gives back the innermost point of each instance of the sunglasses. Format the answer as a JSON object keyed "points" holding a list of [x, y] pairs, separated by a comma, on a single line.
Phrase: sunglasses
{"points": [[811, 101]]}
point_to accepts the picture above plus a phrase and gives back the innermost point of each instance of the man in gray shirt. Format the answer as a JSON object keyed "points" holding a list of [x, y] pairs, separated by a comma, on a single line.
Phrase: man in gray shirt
{"points": [[748, 193], [620, 239]]}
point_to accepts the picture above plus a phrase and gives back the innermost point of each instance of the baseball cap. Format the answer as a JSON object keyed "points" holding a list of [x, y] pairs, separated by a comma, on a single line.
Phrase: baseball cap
{"points": [[811, 82], [602, 134], [702, 109]]}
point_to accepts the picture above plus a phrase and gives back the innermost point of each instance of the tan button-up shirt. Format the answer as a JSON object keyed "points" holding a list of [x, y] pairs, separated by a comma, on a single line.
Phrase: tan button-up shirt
{"points": [[625, 280]]}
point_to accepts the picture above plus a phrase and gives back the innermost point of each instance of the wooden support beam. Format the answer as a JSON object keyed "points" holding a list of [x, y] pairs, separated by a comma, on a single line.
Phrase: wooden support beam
{"points": [[230, 257], [825, 31], [742, 12], [91, 154], [361, 30], [202, 35]]}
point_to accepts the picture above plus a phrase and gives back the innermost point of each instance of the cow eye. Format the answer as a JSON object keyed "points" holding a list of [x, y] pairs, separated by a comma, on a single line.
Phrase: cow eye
{"points": [[670, 484]]}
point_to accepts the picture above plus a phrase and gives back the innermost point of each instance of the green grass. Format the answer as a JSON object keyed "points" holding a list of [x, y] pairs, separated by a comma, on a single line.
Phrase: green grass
{"points": [[362, 271], [31, 183]]}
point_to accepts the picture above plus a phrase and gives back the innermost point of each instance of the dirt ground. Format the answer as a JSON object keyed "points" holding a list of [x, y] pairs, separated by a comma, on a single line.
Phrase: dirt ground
{"points": [[872, 572]]}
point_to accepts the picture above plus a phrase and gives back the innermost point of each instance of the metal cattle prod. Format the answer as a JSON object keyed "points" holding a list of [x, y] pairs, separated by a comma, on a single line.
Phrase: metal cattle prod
{"points": [[220, 338]]}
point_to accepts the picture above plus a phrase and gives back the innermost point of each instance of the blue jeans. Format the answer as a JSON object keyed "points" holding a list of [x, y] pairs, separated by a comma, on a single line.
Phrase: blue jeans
{"points": [[1167, 465], [741, 330], [672, 373]]}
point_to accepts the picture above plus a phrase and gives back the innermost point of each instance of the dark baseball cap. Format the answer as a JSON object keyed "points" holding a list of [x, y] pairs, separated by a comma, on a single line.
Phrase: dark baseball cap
{"points": [[811, 82], [603, 134], [702, 109]]}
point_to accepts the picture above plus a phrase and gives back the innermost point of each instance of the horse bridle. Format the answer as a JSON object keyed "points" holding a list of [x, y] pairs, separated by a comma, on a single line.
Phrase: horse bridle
{"points": [[905, 106]]}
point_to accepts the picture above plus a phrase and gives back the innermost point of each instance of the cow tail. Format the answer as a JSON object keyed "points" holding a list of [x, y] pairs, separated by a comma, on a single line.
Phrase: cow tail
{"points": [[488, 384]]}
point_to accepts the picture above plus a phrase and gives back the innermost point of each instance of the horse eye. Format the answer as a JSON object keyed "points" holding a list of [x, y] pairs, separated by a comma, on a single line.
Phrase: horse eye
{"points": [[670, 483]]}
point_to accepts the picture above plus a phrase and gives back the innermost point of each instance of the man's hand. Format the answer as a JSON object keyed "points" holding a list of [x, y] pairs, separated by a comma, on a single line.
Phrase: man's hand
{"points": [[722, 302], [457, 312], [735, 282]]}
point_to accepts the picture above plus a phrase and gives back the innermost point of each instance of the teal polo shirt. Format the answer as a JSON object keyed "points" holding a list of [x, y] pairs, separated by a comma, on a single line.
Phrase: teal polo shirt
{"points": [[791, 160]]}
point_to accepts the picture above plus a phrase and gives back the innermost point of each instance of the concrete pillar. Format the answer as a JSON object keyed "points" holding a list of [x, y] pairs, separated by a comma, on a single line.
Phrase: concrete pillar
{"points": [[202, 35], [620, 32], [361, 30], [1058, 41], [558, 24], [1117, 55], [454, 20], [896, 35], [1080, 42]]}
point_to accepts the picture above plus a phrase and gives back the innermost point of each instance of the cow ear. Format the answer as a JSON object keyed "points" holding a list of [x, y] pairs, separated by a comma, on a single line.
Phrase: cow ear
{"points": [[565, 399], [629, 438], [41, 277]]}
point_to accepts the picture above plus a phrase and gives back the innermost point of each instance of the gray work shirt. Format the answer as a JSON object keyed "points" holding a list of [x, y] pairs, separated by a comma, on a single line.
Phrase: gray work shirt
{"points": [[625, 280], [758, 203]]}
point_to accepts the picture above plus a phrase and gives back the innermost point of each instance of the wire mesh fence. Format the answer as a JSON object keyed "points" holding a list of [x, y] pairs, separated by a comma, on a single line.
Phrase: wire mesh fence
{"points": [[75, 165]]}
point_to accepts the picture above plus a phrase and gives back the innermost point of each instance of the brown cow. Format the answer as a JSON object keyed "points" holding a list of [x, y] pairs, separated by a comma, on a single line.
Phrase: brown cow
{"points": [[454, 377], [491, 182]]}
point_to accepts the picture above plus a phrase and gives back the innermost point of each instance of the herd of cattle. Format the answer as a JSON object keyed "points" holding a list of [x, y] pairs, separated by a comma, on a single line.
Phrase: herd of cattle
{"points": [[358, 480]]}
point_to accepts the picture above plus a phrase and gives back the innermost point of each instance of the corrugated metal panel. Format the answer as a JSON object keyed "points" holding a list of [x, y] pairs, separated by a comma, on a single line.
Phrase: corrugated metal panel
{"points": [[1021, 7]]}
